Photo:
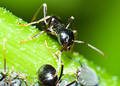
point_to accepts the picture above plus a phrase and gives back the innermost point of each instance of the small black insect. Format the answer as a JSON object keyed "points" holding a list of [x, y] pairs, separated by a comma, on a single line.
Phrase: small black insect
{"points": [[85, 76], [54, 26], [47, 73]]}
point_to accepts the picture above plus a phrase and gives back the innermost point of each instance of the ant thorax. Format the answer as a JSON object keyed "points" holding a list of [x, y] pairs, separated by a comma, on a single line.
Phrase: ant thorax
{"points": [[54, 25], [86, 76]]}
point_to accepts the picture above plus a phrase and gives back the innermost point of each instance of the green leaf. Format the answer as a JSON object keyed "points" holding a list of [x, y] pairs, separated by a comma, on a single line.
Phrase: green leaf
{"points": [[28, 57]]}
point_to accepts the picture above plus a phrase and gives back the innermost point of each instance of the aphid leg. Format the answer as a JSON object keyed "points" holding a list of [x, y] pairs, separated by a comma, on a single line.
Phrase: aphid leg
{"points": [[69, 21], [43, 19], [81, 64], [71, 83], [24, 78], [2, 77], [35, 35], [44, 7], [10, 74], [90, 46], [4, 57]]}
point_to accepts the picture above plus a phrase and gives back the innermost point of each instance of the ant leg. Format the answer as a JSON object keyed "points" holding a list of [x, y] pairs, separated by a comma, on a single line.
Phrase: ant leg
{"points": [[62, 65], [35, 36], [90, 46], [75, 35], [69, 21], [58, 63], [71, 83], [24, 78], [4, 57], [50, 49], [44, 6], [43, 19], [10, 74], [61, 73], [60, 59]]}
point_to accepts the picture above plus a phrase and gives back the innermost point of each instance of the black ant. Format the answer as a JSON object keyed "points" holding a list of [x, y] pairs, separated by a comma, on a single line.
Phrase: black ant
{"points": [[54, 26], [85, 76], [46, 73]]}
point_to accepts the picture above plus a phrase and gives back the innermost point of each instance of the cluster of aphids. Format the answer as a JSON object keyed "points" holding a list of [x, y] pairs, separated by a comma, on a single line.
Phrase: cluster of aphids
{"points": [[11, 78], [47, 74]]}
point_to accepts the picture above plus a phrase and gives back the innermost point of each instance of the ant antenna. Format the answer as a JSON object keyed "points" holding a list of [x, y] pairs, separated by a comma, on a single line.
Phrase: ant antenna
{"points": [[4, 56], [10, 74], [24, 78], [90, 46]]}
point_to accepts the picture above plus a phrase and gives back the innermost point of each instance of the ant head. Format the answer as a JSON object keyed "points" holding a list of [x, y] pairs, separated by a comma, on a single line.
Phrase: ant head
{"points": [[46, 75], [66, 37]]}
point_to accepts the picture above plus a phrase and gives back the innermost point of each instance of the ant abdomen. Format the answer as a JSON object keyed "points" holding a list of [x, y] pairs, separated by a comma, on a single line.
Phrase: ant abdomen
{"points": [[46, 75]]}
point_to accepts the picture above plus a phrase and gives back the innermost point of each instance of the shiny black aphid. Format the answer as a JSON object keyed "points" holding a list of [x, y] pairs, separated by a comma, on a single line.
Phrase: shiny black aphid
{"points": [[55, 27], [46, 75]]}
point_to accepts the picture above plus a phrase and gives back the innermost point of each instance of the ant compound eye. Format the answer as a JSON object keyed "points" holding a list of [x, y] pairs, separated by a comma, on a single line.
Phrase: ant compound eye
{"points": [[46, 75]]}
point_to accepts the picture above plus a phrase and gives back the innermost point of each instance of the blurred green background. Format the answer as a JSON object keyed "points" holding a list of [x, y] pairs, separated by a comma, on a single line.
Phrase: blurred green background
{"points": [[97, 22]]}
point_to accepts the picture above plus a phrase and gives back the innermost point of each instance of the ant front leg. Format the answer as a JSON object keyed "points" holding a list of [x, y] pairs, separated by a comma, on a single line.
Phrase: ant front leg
{"points": [[44, 7], [69, 21]]}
